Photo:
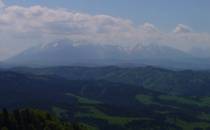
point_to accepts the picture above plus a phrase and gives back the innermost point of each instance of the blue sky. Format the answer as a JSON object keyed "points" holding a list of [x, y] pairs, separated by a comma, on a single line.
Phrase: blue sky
{"points": [[165, 14]]}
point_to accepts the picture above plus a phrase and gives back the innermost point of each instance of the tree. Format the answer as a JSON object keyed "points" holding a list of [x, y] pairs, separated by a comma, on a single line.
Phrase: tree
{"points": [[5, 117], [4, 128]]}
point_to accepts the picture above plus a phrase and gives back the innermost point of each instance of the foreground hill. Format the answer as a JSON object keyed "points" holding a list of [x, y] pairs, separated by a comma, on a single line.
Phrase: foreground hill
{"points": [[29, 119], [104, 105], [186, 82]]}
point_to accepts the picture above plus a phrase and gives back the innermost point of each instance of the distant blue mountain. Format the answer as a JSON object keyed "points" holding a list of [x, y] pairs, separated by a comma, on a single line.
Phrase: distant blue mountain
{"points": [[65, 52]]}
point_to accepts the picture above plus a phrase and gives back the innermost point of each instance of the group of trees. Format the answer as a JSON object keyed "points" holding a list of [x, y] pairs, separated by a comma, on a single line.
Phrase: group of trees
{"points": [[30, 119]]}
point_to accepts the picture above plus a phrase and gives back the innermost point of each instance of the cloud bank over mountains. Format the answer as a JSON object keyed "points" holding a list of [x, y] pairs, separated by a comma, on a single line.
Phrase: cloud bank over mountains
{"points": [[23, 27]]}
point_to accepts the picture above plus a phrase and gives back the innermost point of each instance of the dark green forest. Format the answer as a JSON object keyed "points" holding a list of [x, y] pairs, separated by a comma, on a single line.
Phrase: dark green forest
{"points": [[31, 119]]}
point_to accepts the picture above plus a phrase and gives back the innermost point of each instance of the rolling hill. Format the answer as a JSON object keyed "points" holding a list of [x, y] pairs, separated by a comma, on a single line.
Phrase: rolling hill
{"points": [[100, 104], [178, 82]]}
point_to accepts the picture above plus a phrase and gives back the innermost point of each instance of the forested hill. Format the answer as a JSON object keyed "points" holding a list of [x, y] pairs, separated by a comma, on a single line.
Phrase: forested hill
{"points": [[103, 103], [183, 82]]}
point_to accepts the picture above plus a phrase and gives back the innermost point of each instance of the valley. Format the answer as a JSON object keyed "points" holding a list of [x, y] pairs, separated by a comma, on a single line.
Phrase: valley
{"points": [[106, 102]]}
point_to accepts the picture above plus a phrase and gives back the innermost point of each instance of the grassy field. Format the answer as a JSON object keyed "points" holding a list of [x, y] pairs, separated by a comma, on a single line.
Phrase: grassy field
{"points": [[201, 102], [83, 100], [97, 114], [89, 127], [93, 112], [194, 101], [90, 109], [145, 99], [191, 126]]}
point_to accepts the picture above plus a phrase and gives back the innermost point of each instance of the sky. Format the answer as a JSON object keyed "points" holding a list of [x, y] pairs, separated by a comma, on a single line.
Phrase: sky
{"points": [[163, 13], [183, 24]]}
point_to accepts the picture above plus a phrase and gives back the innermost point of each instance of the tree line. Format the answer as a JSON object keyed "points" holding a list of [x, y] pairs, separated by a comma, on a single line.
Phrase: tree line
{"points": [[31, 119]]}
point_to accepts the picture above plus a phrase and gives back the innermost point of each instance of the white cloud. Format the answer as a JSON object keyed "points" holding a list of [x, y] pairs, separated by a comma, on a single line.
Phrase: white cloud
{"points": [[180, 28], [22, 27], [58, 20], [150, 28]]}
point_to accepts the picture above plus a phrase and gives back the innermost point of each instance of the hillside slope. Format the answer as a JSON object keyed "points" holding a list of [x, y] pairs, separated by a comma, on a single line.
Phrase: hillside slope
{"points": [[186, 82], [102, 105]]}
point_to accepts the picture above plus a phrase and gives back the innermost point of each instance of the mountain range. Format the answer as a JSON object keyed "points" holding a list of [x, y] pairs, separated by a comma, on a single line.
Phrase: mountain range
{"points": [[69, 53]]}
